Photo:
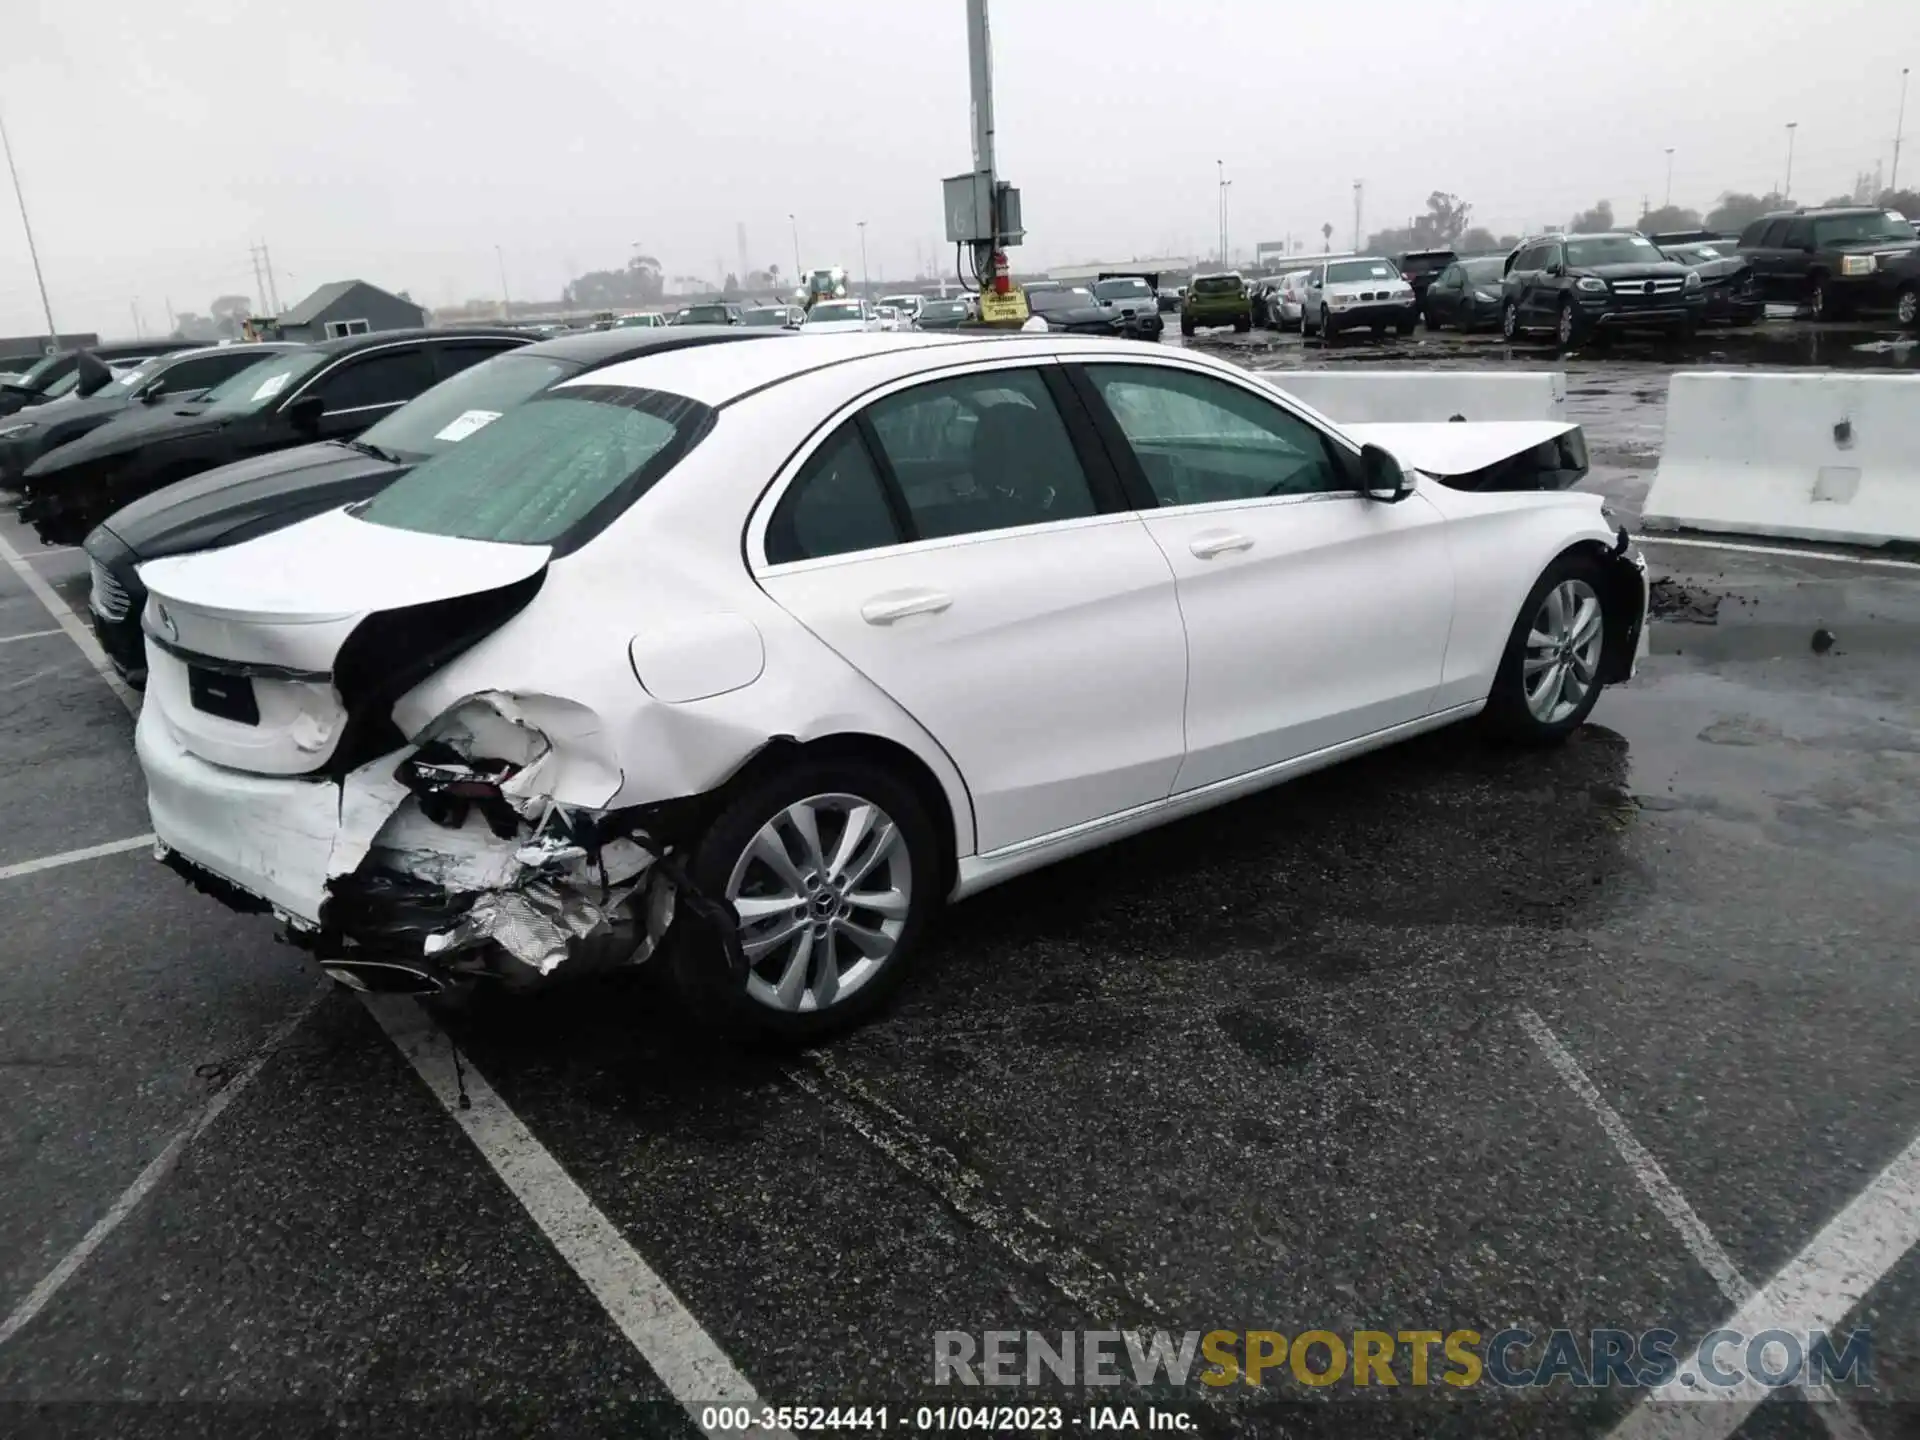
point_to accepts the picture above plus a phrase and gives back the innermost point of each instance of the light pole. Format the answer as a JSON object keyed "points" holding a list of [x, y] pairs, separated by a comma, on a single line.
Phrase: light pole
{"points": [[1226, 195], [53, 335], [1667, 203], [865, 287], [1787, 192], [796, 246], [1899, 128], [506, 303], [1220, 206]]}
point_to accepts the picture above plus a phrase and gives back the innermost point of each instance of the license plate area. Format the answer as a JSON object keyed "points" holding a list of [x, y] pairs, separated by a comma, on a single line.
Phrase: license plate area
{"points": [[230, 697]]}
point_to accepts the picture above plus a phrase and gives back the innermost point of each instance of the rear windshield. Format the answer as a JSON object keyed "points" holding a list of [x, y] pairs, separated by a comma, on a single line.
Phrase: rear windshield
{"points": [[555, 471], [1217, 285], [940, 309], [1124, 289], [824, 313], [702, 315], [463, 406], [766, 317]]}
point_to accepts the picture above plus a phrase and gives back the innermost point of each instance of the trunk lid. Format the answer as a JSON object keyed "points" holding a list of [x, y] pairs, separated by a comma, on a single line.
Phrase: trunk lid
{"points": [[248, 647]]}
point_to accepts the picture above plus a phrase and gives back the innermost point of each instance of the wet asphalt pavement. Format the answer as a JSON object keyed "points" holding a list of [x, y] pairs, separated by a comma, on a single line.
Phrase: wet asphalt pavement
{"points": [[1270, 1068]]}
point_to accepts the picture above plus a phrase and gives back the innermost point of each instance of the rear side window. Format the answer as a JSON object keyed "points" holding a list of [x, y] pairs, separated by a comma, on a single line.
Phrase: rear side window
{"points": [[1799, 232], [981, 452], [836, 505], [1750, 237], [554, 471], [1776, 234]]}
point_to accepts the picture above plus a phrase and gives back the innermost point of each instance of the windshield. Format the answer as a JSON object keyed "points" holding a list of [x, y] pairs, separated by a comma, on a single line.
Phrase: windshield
{"points": [[1613, 250], [1845, 229], [766, 317], [1348, 271], [63, 386], [702, 315], [470, 401], [1128, 289], [37, 376], [824, 313], [1490, 267], [1694, 254], [1217, 285], [133, 379], [554, 470], [257, 386]]}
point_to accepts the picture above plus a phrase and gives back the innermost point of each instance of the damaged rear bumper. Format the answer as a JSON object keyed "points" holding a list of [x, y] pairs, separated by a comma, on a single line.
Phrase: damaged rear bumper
{"points": [[416, 863]]}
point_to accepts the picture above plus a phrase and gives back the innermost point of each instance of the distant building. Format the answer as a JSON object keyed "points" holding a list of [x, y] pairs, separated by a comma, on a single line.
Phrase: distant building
{"points": [[22, 352], [347, 307]]}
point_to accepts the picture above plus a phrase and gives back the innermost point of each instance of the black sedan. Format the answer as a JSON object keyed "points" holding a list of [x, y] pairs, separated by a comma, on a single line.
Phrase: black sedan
{"points": [[1077, 312], [330, 391], [77, 372], [1466, 295], [173, 378], [268, 492], [1733, 297]]}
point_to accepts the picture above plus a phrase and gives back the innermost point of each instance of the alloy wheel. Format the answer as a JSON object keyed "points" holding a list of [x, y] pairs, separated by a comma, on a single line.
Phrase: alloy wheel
{"points": [[1510, 321], [1563, 651], [1907, 311], [823, 891], [1566, 324]]}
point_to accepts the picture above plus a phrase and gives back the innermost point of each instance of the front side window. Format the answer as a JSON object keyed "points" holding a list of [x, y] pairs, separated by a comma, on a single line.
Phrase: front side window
{"points": [[378, 378], [837, 505], [980, 452], [203, 372], [554, 471], [1202, 441]]}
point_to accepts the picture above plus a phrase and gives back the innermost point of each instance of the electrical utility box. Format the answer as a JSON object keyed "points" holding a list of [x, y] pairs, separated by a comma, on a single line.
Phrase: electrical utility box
{"points": [[970, 217]]}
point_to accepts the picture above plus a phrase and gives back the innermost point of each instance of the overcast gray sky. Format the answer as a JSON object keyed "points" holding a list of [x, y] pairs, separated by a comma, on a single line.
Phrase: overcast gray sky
{"points": [[402, 140]]}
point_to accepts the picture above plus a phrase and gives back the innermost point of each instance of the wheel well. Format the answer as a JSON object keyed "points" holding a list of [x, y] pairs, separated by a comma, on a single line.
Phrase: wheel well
{"points": [[1621, 595], [910, 767]]}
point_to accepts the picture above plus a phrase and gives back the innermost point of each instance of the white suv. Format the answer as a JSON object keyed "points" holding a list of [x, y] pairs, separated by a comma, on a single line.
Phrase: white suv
{"points": [[1364, 293]]}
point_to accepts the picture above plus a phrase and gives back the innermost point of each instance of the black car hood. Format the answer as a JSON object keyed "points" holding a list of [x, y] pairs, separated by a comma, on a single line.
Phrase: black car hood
{"points": [[141, 426], [253, 495], [93, 407]]}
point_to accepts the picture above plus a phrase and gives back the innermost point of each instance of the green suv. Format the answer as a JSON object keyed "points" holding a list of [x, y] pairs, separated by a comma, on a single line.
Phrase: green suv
{"points": [[1217, 300]]}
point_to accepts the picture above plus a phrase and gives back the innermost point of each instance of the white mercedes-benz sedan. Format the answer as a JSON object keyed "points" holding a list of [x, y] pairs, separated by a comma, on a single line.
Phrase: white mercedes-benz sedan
{"points": [[741, 660]]}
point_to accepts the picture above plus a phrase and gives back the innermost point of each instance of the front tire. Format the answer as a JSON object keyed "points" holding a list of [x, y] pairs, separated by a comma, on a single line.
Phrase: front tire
{"points": [[1510, 321], [1566, 328], [1820, 304], [1548, 681], [833, 868], [1906, 309]]}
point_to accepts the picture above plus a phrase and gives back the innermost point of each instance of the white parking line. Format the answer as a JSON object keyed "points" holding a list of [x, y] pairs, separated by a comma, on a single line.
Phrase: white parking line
{"points": [[1667, 1199], [156, 1171], [687, 1360], [50, 550], [75, 627], [68, 857], [29, 635], [1643, 538]]}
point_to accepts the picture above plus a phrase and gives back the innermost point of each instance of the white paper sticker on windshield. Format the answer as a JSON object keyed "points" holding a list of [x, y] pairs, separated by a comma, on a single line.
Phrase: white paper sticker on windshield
{"points": [[465, 424], [272, 386]]}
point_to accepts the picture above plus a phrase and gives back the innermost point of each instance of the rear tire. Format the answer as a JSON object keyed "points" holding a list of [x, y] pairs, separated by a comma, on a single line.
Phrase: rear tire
{"points": [[1433, 321], [1548, 681], [766, 1004], [1186, 326], [1243, 323]]}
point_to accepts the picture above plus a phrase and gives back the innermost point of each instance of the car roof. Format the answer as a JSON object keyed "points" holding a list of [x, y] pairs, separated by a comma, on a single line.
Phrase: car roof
{"points": [[248, 347], [606, 347], [348, 343], [1425, 254], [718, 375], [1821, 213]]}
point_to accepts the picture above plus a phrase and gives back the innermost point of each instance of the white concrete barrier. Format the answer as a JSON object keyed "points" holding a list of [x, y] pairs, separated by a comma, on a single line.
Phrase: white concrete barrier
{"points": [[1411, 396], [1814, 456]]}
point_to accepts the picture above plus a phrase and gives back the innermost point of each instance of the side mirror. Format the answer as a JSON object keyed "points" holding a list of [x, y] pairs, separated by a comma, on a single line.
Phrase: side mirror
{"points": [[152, 393], [93, 375], [1556, 268], [304, 413], [1381, 476]]}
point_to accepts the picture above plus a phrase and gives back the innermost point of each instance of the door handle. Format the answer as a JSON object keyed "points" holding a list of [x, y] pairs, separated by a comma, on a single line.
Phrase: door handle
{"points": [[898, 604], [1210, 543]]}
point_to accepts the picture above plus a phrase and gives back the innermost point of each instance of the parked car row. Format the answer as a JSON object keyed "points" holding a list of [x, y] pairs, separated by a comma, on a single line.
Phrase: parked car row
{"points": [[590, 655]]}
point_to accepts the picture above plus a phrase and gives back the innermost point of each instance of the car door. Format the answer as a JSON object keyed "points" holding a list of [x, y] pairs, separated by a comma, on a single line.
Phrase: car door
{"points": [[1515, 287], [963, 548], [1443, 295], [1770, 261], [1313, 616], [1542, 305], [1310, 302], [367, 385], [1796, 261]]}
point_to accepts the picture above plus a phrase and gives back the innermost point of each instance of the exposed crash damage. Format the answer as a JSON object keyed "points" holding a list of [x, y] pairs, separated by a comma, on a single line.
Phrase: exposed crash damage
{"points": [[452, 858]]}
